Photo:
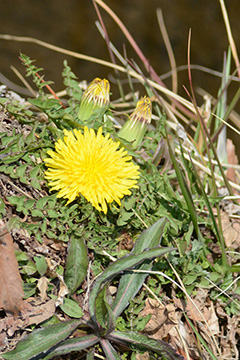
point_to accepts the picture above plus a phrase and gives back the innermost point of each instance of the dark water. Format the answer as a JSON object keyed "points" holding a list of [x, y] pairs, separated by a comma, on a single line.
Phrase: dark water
{"points": [[70, 24]]}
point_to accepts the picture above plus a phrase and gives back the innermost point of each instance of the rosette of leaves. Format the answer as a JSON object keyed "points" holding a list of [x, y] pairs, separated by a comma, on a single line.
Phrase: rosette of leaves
{"points": [[100, 328]]}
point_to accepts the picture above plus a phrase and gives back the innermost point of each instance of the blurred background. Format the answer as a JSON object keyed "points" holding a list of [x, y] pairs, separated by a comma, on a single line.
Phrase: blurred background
{"points": [[71, 25]]}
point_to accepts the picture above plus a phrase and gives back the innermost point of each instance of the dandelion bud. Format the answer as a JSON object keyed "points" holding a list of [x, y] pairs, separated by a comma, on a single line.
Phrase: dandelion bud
{"points": [[95, 97], [135, 128]]}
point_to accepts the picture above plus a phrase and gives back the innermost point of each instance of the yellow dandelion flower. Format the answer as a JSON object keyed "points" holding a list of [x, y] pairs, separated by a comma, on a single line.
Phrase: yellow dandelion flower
{"points": [[94, 97], [135, 127], [92, 165]]}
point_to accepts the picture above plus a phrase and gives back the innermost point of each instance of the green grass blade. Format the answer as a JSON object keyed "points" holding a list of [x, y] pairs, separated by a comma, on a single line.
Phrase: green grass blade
{"points": [[185, 190], [218, 233]]}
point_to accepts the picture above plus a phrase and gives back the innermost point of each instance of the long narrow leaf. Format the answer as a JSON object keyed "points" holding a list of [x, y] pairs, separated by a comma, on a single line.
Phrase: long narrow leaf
{"points": [[122, 264], [131, 283], [76, 344], [158, 346], [104, 313], [41, 340], [109, 350], [77, 263]]}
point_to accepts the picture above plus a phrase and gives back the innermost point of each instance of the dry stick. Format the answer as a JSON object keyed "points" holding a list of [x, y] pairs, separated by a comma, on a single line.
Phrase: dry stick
{"points": [[23, 80], [169, 50], [157, 86], [230, 37]]}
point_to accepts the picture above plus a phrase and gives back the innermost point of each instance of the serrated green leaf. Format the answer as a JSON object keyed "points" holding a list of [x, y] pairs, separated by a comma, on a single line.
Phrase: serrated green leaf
{"points": [[23, 180], [77, 264], [37, 213], [42, 202], [29, 203], [41, 264], [21, 170], [125, 216], [41, 340], [34, 172], [36, 184], [71, 308], [52, 213], [12, 159]]}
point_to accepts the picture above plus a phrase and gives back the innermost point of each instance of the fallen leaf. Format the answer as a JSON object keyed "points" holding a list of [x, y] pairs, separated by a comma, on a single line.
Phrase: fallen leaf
{"points": [[11, 294], [231, 232], [42, 286], [34, 313], [158, 315]]}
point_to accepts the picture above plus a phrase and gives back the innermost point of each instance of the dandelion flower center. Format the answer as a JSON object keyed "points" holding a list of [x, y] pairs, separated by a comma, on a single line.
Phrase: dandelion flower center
{"points": [[92, 165]]}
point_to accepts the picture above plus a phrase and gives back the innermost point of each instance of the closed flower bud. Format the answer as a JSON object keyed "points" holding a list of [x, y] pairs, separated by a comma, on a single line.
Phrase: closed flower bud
{"points": [[95, 97], [135, 128]]}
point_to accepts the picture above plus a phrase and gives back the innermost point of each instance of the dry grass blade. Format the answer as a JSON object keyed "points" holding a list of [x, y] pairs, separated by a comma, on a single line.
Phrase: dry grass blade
{"points": [[230, 37], [169, 50], [134, 74]]}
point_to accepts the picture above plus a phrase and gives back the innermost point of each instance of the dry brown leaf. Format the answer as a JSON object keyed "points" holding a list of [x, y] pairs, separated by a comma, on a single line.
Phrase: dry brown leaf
{"points": [[144, 356], [42, 286], [42, 312], [190, 309], [158, 315], [33, 314], [231, 232], [11, 291]]}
